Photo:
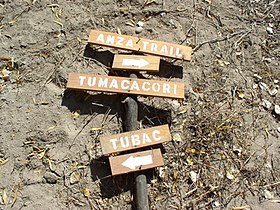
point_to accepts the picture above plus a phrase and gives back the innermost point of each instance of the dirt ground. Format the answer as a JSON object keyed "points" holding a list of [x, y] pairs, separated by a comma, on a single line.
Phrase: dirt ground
{"points": [[225, 152]]}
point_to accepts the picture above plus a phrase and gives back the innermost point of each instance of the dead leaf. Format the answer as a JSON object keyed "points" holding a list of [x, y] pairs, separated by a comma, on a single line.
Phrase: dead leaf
{"points": [[75, 115], [15, 198], [95, 129], [75, 177], [241, 94], [85, 192], [2, 162], [5, 197]]}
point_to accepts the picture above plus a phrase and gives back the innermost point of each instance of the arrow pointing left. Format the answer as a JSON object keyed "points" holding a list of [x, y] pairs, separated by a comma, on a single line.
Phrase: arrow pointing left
{"points": [[133, 162]]}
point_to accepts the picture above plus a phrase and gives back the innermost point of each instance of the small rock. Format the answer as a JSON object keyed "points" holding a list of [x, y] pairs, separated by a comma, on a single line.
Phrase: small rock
{"points": [[138, 30], [177, 137], [268, 194], [266, 104], [277, 109], [263, 86], [193, 176], [278, 129], [50, 178], [140, 24], [257, 77], [269, 30], [273, 92], [276, 81]]}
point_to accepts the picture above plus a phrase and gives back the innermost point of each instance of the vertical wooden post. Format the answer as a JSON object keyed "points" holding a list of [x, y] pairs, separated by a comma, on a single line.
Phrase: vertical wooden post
{"points": [[141, 192]]}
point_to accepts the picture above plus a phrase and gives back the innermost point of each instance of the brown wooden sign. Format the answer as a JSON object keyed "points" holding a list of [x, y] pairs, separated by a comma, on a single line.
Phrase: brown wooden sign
{"points": [[135, 139], [125, 85], [136, 161], [136, 62], [140, 45]]}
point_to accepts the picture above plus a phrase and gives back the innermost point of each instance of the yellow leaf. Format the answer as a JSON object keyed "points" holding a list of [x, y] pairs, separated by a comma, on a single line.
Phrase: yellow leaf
{"points": [[5, 197], [51, 165], [59, 23], [75, 177], [241, 94], [197, 152], [2, 162], [85, 192], [95, 129], [189, 161], [76, 114], [15, 198]]}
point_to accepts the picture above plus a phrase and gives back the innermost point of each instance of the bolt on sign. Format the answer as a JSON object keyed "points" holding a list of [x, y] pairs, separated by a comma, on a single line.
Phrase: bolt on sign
{"points": [[125, 85], [148, 46], [135, 139], [136, 62], [136, 161]]}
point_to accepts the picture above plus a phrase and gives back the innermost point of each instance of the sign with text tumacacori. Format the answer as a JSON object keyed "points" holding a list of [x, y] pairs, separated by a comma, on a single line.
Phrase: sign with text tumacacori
{"points": [[136, 62], [135, 139], [148, 46], [136, 161], [125, 85]]}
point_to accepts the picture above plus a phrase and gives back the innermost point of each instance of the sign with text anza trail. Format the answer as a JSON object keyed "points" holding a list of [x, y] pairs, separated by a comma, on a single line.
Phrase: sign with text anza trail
{"points": [[136, 161], [135, 139], [125, 85], [125, 42]]}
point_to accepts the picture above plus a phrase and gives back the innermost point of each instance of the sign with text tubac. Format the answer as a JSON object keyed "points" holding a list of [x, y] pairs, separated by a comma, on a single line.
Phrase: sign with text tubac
{"points": [[135, 139]]}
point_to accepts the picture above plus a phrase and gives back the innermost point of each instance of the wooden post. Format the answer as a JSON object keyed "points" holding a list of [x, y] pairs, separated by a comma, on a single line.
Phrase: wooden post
{"points": [[141, 192]]}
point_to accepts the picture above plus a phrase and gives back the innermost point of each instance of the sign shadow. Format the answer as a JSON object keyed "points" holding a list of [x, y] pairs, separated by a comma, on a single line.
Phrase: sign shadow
{"points": [[106, 57]]}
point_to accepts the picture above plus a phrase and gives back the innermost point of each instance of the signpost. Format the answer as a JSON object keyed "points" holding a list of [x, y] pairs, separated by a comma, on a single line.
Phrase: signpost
{"points": [[125, 85], [136, 62], [135, 139], [148, 46], [136, 161]]}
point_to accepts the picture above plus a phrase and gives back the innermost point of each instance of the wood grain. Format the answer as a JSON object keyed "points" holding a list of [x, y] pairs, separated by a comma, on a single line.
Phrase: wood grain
{"points": [[135, 139], [148, 46], [125, 85], [117, 161]]}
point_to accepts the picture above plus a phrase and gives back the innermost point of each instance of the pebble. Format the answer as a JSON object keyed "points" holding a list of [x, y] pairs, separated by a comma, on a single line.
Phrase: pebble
{"points": [[266, 104], [193, 176], [50, 178], [273, 92], [263, 86], [140, 24], [269, 30], [138, 30], [277, 109]]}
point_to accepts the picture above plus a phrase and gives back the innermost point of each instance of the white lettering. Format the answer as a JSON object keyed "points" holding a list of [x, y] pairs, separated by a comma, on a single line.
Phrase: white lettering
{"points": [[123, 84], [178, 52], [166, 88], [171, 50], [145, 45], [135, 140], [100, 38], [82, 79], [154, 47], [156, 132], [114, 84], [146, 138], [91, 81], [129, 43], [113, 141], [110, 39], [126, 143], [175, 89], [135, 86], [156, 87], [164, 50], [103, 82], [120, 40], [144, 86]]}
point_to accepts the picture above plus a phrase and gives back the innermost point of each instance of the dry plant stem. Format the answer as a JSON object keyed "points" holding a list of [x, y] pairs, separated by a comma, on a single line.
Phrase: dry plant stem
{"points": [[220, 39]]}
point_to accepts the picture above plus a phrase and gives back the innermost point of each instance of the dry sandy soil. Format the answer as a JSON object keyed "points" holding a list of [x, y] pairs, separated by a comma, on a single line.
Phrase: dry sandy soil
{"points": [[225, 152]]}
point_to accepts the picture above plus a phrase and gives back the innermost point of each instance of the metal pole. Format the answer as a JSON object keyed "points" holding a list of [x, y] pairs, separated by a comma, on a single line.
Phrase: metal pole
{"points": [[141, 192]]}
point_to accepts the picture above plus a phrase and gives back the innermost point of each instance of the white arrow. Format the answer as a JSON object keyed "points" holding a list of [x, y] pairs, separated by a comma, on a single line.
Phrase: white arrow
{"points": [[135, 62], [133, 162]]}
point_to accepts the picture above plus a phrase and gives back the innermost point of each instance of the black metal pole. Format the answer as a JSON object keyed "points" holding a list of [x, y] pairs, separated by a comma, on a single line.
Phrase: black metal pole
{"points": [[141, 192]]}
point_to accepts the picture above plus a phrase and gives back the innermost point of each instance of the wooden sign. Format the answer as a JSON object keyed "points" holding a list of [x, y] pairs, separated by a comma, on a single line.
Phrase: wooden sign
{"points": [[136, 161], [135, 139], [140, 45], [125, 85], [136, 62]]}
